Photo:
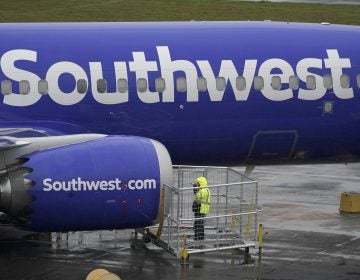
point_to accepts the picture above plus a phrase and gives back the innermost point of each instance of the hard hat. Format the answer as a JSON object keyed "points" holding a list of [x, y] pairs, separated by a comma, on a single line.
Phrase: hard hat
{"points": [[202, 181]]}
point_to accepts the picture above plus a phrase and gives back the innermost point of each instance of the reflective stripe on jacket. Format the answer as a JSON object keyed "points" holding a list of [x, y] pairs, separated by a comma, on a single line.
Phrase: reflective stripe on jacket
{"points": [[203, 196]]}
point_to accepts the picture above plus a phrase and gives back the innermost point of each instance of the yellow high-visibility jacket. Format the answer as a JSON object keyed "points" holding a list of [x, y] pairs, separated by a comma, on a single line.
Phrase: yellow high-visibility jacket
{"points": [[203, 196]]}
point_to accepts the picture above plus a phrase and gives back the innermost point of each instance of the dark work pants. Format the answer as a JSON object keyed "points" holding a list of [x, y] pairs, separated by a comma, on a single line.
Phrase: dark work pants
{"points": [[199, 227]]}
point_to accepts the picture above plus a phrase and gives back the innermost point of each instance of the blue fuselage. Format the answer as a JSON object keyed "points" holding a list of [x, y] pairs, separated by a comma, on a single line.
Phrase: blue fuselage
{"points": [[238, 125]]}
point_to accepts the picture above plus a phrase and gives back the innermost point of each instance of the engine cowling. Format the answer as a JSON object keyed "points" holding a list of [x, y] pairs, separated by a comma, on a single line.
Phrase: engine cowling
{"points": [[111, 182]]}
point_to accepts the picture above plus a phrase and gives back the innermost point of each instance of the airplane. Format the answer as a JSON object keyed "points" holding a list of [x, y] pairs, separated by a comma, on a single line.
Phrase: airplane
{"points": [[95, 114]]}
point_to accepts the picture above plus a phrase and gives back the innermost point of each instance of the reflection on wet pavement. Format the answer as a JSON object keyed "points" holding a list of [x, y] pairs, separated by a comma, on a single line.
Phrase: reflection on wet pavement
{"points": [[305, 237]]}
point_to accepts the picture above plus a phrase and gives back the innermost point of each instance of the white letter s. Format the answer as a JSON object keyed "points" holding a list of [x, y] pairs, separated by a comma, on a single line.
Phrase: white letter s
{"points": [[47, 183], [7, 64]]}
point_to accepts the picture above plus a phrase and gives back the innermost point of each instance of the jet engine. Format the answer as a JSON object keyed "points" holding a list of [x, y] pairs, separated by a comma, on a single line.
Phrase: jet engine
{"points": [[84, 182]]}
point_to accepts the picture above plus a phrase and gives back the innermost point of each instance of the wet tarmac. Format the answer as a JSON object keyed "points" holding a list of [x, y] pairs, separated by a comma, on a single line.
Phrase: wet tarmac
{"points": [[305, 237], [335, 2]]}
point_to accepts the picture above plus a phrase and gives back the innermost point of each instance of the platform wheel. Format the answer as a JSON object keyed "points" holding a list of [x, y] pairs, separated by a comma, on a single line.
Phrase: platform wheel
{"points": [[146, 239]]}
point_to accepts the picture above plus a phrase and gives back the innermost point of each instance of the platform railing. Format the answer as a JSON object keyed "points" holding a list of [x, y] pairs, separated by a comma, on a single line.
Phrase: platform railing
{"points": [[231, 222]]}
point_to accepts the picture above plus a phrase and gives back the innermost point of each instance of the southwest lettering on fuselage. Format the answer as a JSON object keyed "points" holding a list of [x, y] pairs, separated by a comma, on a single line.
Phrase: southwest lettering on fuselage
{"points": [[79, 184], [166, 67]]}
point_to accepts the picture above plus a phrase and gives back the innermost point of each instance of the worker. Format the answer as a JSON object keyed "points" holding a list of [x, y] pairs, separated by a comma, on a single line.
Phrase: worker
{"points": [[201, 206]]}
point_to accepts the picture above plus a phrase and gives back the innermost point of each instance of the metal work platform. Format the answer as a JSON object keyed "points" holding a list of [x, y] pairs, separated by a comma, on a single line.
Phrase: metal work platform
{"points": [[231, 223]]}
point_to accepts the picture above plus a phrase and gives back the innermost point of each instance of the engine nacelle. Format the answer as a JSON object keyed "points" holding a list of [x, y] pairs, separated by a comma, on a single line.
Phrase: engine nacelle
{"points": [[111, 182]]}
